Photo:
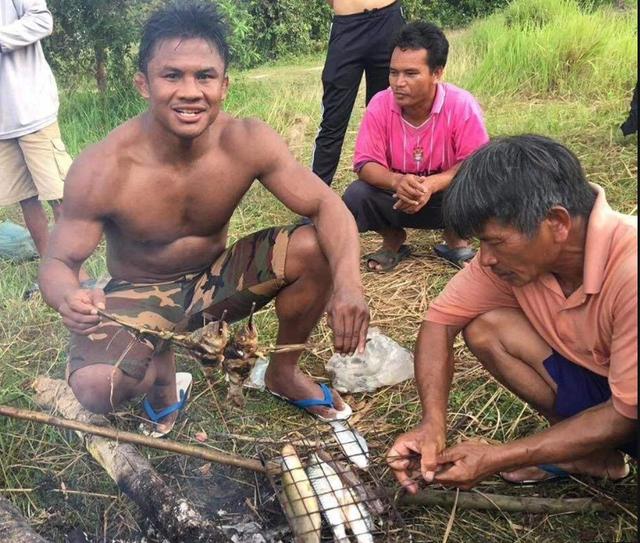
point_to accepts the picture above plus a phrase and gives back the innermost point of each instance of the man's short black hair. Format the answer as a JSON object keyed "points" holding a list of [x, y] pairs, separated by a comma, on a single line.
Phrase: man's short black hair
{"points": [[424, 35], [516, 180], [184, 19]]}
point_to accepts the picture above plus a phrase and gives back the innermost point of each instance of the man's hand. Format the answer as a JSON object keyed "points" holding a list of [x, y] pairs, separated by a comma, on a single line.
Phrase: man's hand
{"points": [[413, 193], [466, 464], [415, 453], [79, 310], [348, 316]]}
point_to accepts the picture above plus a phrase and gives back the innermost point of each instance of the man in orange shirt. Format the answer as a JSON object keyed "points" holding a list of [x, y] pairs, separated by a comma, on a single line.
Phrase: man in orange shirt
{"points": [[549, 307]]}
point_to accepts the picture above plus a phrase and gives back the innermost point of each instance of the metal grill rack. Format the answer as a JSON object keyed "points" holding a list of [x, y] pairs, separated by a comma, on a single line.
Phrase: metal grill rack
{"points": [[330, 488]]}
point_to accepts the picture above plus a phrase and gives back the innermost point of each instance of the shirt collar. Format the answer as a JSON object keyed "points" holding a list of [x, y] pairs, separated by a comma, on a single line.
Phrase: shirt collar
{"points": [[600, 228]]}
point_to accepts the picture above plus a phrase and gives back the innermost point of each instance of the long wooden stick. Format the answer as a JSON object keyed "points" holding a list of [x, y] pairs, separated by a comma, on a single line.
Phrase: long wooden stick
{"points": [[482, 501], [137, 439]]}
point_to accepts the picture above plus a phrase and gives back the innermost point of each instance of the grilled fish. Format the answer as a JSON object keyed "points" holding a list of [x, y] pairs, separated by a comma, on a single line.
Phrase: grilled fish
{"points": [[353, 445], [301, 504], [358, 517], [351, 479], [329, 489]]}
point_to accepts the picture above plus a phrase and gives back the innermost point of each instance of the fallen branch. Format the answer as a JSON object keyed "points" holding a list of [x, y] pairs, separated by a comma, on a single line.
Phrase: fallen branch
{"points": [[99, 426], [170, 513], [514, 504], [14, 528]]}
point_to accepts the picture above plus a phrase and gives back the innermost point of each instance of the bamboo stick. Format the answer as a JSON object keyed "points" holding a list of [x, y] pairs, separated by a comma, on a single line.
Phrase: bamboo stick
{"points": [[137, 439], [483, 501]]}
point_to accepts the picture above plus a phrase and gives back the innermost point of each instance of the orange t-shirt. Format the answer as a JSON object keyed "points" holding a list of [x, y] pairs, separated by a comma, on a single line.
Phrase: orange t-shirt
{"points": [[596, 327]]}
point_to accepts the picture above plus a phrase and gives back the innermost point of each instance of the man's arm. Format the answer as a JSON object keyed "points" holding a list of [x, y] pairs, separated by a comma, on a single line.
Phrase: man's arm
{"points": [[305, 194], [600, 427], [35, 24], [434, 371], [74, 238]]}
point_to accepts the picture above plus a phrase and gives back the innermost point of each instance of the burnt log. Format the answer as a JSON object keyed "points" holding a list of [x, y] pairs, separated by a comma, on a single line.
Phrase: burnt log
{"points": [[13, 526], [173, 515]]}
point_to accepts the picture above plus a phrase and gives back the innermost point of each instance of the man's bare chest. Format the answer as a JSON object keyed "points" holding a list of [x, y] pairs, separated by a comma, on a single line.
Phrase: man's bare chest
{"points": [[166, 206]]}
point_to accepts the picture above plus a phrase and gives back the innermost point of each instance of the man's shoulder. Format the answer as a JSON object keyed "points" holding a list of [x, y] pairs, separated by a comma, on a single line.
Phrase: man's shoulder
{"points": [[382, 101], [457, 97], [97, 165]]}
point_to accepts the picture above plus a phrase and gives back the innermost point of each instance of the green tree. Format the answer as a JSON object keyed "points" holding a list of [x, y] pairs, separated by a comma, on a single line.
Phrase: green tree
{"points": [[95, 36]]}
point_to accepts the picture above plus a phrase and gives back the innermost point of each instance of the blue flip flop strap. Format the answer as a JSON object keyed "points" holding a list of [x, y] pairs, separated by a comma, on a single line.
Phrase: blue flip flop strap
{"points": [[327, 401], [156, 416], [553, 470]]}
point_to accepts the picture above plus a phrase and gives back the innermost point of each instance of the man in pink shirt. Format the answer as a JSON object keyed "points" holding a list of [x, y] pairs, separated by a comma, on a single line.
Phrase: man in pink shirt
{"points": [[412, 140], [549, 308]]}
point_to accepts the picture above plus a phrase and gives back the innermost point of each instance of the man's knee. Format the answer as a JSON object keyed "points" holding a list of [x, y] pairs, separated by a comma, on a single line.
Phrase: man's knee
{"points": [[482, 334], [96, 388], [305, 253], [356, 195]]}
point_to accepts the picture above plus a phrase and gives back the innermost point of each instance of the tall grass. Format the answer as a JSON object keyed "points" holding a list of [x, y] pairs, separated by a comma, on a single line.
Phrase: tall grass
{"points": [[550, 47]]}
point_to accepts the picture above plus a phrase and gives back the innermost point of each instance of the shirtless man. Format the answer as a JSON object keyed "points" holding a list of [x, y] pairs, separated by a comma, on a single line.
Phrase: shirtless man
{"points": [[162, 188], [360, 39]]}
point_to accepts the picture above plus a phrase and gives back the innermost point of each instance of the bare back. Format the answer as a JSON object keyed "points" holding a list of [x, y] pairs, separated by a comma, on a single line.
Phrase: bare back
{"points": [[163, 217], [349, 7]]}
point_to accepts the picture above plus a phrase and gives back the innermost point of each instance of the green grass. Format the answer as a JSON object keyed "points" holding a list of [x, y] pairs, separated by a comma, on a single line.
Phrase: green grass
{"points": [[541, 66]]}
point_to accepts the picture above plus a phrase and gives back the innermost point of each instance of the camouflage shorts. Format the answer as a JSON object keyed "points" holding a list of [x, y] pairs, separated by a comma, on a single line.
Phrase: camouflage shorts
{"points": [[250, 271]]}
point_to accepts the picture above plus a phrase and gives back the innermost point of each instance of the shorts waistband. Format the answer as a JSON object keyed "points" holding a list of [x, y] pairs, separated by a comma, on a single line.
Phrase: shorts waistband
{"points": [[368, 13]]}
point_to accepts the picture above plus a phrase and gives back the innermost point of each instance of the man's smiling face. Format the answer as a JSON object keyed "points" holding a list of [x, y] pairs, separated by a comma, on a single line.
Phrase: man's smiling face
{"points": [[185, 85]]}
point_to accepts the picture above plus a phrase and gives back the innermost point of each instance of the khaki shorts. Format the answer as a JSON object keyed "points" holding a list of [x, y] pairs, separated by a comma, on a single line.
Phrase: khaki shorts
{"points": [[35, 164], [249, 272]]}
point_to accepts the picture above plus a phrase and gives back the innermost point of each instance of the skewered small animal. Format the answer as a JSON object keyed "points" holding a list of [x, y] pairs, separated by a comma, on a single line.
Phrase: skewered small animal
{"points": [[209, 341], [240, 356], [299, 499]]}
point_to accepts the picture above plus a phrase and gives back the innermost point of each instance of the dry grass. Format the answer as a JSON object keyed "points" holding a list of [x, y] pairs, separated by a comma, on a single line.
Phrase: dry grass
{"points": [[58, 487]]}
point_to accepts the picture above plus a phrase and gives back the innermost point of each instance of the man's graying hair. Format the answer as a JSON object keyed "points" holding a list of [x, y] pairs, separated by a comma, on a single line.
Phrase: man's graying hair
{"points": [[516, 181]]}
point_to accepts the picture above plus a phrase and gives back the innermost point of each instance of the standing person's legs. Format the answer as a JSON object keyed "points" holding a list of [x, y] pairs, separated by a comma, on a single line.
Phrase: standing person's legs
{"points": [[383, 28], [507, 345], [340, 81], [47, 161]]}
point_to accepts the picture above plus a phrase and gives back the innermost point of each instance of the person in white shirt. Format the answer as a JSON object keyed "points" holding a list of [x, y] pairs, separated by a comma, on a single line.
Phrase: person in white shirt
{"points": [[33, 158]]}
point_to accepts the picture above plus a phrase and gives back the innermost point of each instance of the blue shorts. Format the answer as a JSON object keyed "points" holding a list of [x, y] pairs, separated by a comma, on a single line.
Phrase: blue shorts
{"points": [[578, 390]]}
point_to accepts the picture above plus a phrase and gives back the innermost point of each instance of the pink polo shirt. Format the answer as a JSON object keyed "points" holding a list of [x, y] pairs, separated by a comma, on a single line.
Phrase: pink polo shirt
{"points": [[596, 327], [454, 130]]}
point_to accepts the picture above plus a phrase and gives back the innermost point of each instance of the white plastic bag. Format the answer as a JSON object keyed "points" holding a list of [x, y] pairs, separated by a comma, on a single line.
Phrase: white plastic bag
{"points": [[384, 363]]}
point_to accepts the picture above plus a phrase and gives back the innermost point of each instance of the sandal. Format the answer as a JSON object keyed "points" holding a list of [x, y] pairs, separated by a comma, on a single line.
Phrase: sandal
{"points": [[386, 259], [457, 256]]}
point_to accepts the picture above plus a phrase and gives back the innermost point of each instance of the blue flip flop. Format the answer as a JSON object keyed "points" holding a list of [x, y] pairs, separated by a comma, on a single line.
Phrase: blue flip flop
{"points": [[183, 387], [326, 401]]}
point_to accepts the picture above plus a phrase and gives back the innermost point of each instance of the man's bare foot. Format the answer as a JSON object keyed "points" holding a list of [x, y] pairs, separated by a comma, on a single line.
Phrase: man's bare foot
{"points": [[160, 397], [298, 386], [610, 465]]}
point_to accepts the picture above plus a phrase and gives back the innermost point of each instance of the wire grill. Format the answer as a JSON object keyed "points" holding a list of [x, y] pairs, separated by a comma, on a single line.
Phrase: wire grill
{"points": [[325, 491]]}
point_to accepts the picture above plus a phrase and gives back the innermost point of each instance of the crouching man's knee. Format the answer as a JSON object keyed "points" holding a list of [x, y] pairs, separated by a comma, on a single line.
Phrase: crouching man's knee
{"points": [[94, 389], [482, 335]]}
